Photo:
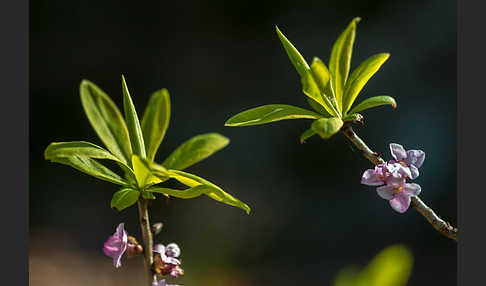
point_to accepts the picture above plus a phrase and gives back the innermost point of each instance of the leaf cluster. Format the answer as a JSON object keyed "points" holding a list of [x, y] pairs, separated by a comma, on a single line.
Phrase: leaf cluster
{"points": [[330, 92], [132, 145]]}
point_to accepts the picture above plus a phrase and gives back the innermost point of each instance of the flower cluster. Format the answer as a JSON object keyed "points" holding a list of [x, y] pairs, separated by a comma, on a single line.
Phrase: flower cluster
{"points": [[166, 260], [392, 177]]}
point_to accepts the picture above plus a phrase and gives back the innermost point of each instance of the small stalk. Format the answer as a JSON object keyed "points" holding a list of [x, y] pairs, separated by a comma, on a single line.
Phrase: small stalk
{"points": [[439, 224], [147, 239]]}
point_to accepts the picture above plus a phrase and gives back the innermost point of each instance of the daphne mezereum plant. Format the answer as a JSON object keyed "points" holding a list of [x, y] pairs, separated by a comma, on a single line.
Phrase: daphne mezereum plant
{"points": [[332, 93], [132, 145]]}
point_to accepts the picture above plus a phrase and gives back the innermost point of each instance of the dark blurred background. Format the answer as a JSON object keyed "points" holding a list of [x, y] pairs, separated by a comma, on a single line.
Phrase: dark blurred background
{"points": [[310, 215]]}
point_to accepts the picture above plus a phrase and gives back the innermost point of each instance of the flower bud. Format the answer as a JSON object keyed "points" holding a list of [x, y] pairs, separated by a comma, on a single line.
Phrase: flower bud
{"points": [[157, 227]]}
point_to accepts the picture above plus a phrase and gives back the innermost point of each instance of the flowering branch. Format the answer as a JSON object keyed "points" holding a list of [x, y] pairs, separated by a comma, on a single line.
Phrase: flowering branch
{"points": [[147, 239], [440, 225]]}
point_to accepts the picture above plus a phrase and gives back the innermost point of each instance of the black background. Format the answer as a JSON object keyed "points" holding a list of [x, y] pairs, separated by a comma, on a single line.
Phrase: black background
{"points": [[310, 216]]}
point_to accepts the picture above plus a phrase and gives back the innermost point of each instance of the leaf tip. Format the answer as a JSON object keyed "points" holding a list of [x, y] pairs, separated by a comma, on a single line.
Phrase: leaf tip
{"points": [[356, 20]]}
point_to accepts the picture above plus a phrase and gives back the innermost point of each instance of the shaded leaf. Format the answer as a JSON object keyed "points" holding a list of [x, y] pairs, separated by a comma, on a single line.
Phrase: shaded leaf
{"points": [[374, 101], [326, 127], [340, 61], [134, 129], [213, 192], [155, 121], [307, 134], [355, 117], [360, 76], [318, 107], [91, 167], [295, 57], [194, 150], [124, 198], [270, 113], [82, 149], [106, 120]]}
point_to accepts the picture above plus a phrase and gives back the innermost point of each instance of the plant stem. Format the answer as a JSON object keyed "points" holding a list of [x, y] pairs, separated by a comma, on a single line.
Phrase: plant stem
{"points": [[440, 225], [147, 239]]}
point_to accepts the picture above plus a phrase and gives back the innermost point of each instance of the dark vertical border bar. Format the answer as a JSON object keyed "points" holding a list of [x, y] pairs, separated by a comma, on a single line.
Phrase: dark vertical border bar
{"points": [[14, 140], [471, 145]]}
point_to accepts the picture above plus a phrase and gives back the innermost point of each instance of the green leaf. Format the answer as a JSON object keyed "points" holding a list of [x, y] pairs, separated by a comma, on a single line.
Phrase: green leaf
{"points": [[124, 198], [372, 102], [316, 85], [326, 127], [91, 167], [340, 61], [318, 107], [143, 173], [136, 137], [106, 120], [82, 149], [155, 121], [354, 117], [194, 150], [307, 134], [295, 57], [270, 113], [360, 76], [391, 267], [213, 192]]}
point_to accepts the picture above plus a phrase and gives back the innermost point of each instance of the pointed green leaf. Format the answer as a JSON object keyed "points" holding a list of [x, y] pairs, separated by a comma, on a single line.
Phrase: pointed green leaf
{"points": [[194, 150], [317, 86], [136, 137], [124, 198], [91, 167], [360, 76], [374, 101], [82, 149], [326, 127], [106, 120], [307, 134], [143, 173], [270, 113], [295, 57], [155, 121], [340, 61], [213, 191]]}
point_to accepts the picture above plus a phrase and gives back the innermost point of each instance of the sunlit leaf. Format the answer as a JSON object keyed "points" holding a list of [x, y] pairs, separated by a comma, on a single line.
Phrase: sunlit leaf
{"points": [[340, 61], [326, 127], [372, 102], [270, 113], [318, 107], [106, 120], [295, 57], [347, 277], [315, 84], [359, 77], [214, 192], [194, 150], [143, 172], [134, 129], [155, 121], [307, 134], [124, 198]]}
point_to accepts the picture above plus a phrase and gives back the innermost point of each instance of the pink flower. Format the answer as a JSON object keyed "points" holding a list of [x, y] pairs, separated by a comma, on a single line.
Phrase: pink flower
{"points": [[412, 159], [116, 245], [398, 193]]}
